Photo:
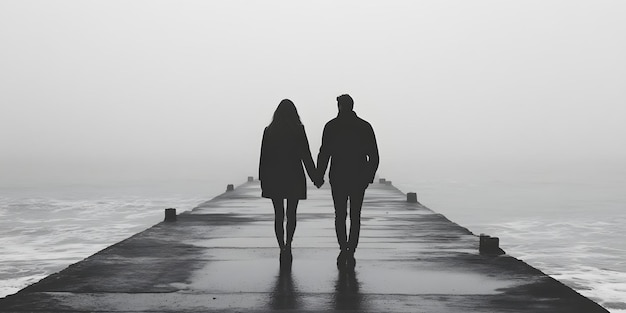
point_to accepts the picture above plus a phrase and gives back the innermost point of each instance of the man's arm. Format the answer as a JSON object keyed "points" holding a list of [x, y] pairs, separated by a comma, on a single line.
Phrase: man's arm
{"points": [[323, 157], [372, 154]]}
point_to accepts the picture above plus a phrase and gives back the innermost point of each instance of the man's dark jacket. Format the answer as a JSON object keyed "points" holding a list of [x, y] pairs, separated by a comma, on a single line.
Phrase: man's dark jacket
{"points": [[350, 144]]}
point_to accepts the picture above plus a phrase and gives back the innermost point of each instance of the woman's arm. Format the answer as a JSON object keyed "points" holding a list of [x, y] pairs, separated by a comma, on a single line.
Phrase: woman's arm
{"points": [[307, 159], [262, 162]]}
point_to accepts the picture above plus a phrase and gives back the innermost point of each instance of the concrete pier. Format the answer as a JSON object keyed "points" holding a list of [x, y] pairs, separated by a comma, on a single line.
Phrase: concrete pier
{"points": [[223, 257]]}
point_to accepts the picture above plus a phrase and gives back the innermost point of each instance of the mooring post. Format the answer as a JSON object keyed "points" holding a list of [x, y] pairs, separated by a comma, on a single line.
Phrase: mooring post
{"points": [[170, 215], [489, 245], [411, 197], [230, 187], [250, 179]]}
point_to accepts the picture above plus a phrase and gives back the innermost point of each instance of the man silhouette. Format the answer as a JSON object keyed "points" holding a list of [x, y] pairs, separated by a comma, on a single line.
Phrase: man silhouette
{"points": [[350, 144]]}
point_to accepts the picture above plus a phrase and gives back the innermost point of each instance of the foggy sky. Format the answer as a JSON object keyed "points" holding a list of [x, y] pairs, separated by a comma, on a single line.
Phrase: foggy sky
{"points": [[111, 90]]}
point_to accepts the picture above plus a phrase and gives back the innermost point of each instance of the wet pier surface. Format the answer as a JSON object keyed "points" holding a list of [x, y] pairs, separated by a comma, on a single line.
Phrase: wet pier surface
{"points": [[223, 257]]}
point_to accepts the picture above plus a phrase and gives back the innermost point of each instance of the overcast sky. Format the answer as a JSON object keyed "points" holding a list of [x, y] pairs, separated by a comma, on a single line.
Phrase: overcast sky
{"points": [[142, 89]]}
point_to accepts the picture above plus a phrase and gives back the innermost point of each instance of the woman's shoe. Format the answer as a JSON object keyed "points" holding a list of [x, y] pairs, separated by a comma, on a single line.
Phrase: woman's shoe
{"points": [[341, 259], [282, 255], [286, 257]]}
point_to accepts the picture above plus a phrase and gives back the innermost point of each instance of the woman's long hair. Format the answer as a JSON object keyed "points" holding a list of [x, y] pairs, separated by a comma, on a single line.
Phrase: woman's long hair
{"points": [[285, 116]]}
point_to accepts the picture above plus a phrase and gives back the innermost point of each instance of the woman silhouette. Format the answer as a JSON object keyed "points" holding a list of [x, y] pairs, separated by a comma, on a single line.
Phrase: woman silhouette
{"points": [[284, 149]]}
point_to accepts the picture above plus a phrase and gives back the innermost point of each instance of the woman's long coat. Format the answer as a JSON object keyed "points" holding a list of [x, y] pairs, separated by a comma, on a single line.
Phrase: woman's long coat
{"points": [[283, 151]]}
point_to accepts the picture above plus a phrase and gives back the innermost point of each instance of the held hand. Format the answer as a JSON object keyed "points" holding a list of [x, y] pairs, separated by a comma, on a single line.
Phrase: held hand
{"points": [[319, 182], [318, 179]]}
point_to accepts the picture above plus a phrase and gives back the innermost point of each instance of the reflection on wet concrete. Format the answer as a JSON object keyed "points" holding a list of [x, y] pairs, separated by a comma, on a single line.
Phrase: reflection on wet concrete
{"points": [[347, 295], [284, 295]]}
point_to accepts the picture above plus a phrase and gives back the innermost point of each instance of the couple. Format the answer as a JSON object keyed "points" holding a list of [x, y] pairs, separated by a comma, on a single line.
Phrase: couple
{"points": [[348, 142]]}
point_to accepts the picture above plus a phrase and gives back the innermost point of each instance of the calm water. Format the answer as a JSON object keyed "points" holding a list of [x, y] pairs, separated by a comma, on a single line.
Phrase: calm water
{"points": [[571, 229]]}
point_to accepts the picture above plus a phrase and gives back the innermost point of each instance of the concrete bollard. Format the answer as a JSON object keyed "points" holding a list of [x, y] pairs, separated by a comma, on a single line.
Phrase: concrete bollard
{"points": [[489, 245], [411, 197], [170, 215], [250, 179], [382, 181], [230, 187]]}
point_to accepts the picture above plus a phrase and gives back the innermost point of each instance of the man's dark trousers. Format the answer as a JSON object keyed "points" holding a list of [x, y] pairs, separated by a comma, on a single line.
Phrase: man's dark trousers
{"points": [[341, 195]]}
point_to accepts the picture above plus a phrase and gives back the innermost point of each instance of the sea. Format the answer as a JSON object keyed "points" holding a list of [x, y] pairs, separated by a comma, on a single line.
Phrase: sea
{"points": [[572, 227]]}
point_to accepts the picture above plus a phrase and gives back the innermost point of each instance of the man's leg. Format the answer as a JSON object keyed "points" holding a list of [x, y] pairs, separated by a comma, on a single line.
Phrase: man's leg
{"points": [[340, 200], [356, 202]]}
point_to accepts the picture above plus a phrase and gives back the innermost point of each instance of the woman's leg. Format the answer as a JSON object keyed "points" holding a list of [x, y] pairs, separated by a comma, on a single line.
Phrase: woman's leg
{"points": [[279, 217], [292, 206]]}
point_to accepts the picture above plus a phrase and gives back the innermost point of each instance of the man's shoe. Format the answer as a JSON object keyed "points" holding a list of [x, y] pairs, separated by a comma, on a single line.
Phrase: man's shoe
{"points": [[350, 260]]}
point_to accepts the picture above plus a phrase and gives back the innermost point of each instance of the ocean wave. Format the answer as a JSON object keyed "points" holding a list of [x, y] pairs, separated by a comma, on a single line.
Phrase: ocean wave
{"points": [[585, 254], [42, 236], [605, 286]]}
